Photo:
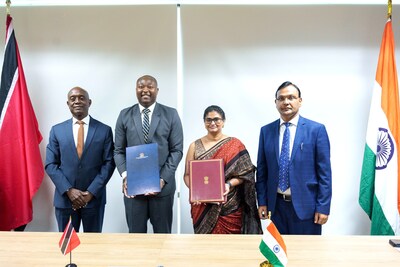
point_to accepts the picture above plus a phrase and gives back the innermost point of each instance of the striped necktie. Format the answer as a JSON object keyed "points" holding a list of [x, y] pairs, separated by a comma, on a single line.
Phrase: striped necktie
{"points": [[284, 160], [146, 125]]}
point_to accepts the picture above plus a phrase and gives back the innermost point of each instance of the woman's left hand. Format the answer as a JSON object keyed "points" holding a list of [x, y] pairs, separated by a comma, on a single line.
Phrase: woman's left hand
{"points": [[227, 188]]}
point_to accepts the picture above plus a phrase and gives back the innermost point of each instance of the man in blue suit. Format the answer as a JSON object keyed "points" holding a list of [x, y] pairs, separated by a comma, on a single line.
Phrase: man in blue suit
{"points": [[296, 191], [165, 129], [79, 161]]}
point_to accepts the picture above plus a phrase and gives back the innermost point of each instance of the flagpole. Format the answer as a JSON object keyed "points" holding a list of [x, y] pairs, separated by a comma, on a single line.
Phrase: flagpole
{"points": [[389, 15], [70, 264], [70, 258], [8, 2]]}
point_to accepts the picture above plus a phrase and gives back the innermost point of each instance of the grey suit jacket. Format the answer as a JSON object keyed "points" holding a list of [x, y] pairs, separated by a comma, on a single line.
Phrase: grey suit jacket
{"points": [[165, 130]]}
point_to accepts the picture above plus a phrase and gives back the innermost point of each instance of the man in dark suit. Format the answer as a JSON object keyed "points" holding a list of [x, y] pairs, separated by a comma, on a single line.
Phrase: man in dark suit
{"points": [[166, 131], [297, 190], [79, 161]]}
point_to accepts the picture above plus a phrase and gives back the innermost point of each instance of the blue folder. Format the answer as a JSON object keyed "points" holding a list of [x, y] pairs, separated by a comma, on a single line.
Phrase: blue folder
{"points": [[142, 169]]}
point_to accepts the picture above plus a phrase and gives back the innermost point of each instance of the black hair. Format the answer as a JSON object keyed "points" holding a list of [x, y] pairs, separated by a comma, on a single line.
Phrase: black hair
{"points": [[147, 77], [216, 109], [286, 84]]}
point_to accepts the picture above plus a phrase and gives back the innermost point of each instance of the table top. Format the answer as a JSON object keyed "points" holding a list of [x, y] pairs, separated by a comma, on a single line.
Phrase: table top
{"points": [[117, 250]]}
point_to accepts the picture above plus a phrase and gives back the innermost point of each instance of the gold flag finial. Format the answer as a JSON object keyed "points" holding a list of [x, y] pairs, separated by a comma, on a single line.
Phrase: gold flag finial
{"points": [[266, 264], [8, 3], [389, 15]]}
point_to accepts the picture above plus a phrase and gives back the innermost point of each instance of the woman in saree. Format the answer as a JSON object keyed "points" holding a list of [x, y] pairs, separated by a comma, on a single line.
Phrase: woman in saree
{"points": [[238, 215]]}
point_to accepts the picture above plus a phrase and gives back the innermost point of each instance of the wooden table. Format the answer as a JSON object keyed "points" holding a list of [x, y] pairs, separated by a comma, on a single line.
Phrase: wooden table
{"points": [[117, 250]]}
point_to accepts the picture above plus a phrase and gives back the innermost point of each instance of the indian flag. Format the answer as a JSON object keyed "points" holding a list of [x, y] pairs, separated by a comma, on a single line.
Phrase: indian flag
{"points": [[379, 186], [272, 246]]}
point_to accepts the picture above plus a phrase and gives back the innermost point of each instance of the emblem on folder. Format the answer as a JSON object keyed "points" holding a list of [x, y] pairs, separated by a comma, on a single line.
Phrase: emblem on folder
{"points": [[141, 156]]}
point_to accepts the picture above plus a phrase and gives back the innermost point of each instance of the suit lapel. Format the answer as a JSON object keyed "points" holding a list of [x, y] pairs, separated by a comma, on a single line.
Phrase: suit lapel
{"points": [[91, 132], [137, 120], [155, 120], [276, 138], [69, 136], [298, 139]]}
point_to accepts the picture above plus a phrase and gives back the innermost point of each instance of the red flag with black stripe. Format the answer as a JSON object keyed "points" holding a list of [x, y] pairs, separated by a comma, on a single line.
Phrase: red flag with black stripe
{"points": [[69, 240], [21, 166]]}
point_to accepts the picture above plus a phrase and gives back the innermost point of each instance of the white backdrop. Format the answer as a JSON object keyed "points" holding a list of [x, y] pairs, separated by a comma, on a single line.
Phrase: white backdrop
{"points": [[233, 56]]}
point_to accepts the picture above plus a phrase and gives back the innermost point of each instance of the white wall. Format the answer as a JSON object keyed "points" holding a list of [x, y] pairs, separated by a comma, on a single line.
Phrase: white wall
{"points": [[233, 56], [237, 56], [104, 50]]}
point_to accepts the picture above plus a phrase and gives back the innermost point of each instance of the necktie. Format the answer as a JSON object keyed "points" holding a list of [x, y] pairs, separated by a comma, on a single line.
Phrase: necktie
{"points": [[79, 144], [146, 125], [284, 160]]}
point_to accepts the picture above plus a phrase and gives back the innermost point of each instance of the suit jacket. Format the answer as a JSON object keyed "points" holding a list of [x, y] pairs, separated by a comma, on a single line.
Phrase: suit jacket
{"points": [[165, 130], [309, 171], [89, 173]]}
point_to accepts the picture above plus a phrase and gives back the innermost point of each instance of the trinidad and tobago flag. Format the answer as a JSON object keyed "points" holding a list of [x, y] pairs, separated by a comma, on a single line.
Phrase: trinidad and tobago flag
{"points": [[21, 166]]}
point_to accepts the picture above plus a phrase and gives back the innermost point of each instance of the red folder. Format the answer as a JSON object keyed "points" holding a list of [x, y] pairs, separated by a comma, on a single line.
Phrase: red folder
{"points": [[207, 180]]}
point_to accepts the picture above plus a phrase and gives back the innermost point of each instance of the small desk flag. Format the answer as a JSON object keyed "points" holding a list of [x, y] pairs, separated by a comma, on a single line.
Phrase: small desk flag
{"points": [[273, 247], [69, 240]]}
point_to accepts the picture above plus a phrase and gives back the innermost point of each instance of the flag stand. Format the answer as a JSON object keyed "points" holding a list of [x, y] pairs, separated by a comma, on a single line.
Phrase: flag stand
{"points": [[70, 264]]}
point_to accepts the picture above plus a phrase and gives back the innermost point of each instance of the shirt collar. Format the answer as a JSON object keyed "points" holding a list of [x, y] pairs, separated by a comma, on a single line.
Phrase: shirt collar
{"points": [[294, 121], [151, 108], [86, 120]]}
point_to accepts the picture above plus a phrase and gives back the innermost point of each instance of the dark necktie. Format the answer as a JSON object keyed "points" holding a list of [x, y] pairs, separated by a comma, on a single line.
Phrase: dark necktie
{"points": [[79, 144], [146, 125], [284, 160]]}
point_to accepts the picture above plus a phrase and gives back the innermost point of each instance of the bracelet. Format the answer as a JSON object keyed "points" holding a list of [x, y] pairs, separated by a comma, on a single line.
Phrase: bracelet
{"points": [[229, 183]]}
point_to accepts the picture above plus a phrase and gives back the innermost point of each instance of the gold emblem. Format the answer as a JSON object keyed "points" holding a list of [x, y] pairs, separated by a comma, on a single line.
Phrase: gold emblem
{"points": [[265, 264], [205, 179]]}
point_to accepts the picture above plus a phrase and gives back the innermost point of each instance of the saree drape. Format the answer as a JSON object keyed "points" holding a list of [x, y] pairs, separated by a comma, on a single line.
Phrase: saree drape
{"points": [[239, 214]]}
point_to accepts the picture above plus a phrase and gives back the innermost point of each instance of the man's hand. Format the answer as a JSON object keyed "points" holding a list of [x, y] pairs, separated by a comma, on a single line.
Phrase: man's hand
{"points": [[87, 197], [77, 198], [262, 212], [125, 188], [162, 184], [320, 218]]}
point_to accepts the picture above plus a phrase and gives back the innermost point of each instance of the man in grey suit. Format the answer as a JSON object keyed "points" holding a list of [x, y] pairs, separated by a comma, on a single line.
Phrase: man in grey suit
{"points": [[165, 130], [79, 161]]}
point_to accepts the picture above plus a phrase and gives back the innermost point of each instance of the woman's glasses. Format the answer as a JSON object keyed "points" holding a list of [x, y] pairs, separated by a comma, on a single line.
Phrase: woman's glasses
{"points": [[216, 120]]}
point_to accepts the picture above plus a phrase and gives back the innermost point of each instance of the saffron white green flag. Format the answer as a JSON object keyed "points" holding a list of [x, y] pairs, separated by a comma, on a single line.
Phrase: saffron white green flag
{"points": [[272, 246], [379, 185]]}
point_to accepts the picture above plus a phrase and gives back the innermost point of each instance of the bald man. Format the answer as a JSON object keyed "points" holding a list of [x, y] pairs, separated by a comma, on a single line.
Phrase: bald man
{"points": [[80, 173]]}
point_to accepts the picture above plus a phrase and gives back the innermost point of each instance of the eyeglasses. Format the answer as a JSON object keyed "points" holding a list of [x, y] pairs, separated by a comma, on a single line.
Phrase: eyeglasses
{"points": [[289, 98], [216, 120]]}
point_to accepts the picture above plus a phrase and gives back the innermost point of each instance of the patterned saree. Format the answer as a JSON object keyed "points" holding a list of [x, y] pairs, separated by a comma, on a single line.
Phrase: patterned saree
{"points": [[239, 214]]}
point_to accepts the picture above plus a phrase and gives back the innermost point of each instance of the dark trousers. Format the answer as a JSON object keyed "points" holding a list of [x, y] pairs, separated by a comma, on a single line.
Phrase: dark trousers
{"points": [[140, 209], [287, 222], [91, 218]]}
